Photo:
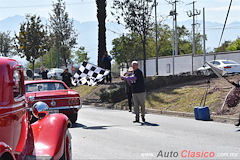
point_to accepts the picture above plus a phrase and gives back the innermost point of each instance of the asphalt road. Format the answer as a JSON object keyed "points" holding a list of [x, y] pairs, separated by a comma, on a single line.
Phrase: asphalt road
{"points": [[102, 133]]}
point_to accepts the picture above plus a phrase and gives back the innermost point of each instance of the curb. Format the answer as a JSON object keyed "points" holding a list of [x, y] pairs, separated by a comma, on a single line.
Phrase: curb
{"points": [[215, 118]]}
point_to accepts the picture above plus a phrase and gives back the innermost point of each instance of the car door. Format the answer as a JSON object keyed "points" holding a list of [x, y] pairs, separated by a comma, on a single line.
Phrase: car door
{"points": [[19, 117], [6, 103]]}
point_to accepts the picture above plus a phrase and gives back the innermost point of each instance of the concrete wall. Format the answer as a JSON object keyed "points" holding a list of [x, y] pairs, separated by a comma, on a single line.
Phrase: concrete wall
{"points": [[183, 63]]}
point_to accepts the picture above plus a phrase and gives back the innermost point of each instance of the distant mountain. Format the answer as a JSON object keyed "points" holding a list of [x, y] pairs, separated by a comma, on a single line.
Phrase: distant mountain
{"points": [[88, 32], [11, 24]]}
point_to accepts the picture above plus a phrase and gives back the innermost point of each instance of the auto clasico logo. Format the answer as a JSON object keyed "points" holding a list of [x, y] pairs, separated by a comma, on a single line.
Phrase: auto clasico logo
{"points": [[186, 154]]}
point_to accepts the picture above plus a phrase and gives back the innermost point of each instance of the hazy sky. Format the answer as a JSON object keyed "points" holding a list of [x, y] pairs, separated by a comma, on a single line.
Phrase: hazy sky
{"points": [[85, 10]]}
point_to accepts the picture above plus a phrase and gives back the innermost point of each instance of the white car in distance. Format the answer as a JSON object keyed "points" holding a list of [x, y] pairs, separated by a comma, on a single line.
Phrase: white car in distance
{"points": [[55, 73], [229, 66]]}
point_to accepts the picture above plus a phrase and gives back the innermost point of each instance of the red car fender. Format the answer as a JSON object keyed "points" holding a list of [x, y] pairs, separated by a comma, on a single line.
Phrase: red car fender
{"points": [[6, 151], [49, 134], [23, 134]]}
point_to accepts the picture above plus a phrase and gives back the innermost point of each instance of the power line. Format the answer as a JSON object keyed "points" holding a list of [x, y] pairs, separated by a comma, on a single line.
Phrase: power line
{"points": [[225, 22]]}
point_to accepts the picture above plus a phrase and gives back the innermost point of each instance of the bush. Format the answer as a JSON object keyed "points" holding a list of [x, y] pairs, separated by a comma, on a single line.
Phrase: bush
{"points": [[113, 94]]}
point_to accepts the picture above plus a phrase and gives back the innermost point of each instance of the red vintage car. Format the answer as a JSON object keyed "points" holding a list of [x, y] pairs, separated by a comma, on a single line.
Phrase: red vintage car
{"points": [[59, 97], [47, 138]]}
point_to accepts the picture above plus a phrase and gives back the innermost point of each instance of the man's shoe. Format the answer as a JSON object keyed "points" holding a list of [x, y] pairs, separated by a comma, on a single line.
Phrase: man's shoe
{"points": [[136, 121], [143, 119], [237, 124]]}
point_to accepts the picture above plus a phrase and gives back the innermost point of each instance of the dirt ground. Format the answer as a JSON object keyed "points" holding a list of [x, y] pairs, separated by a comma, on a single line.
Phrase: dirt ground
{"points": [[219, 84]]}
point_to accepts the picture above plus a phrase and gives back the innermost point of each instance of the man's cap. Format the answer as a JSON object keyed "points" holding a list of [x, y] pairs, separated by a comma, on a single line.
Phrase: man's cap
{"points": [[134, 62]]}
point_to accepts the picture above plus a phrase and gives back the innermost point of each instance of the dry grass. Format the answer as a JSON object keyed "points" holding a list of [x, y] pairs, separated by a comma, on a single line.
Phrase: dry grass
{"points": [[180, 99], [85, 90]]}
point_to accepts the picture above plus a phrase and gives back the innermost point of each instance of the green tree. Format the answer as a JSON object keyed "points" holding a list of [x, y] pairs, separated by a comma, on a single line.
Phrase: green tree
{"points": [[49, 60], [137, 16], [101, 16], [184, 41], [37, 64], [126, 48], [165, 36], [32, 41], [6, 44], [164, 41], [223, 47], [62, 33], [81, 55], [234, 46]]}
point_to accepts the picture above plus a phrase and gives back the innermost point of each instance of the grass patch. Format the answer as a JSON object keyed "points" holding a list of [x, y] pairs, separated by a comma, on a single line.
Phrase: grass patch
{"points": [[180, 99], [85, 90]]}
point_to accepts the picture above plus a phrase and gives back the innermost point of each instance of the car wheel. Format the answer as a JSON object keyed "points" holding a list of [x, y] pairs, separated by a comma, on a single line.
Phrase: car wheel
{"points": [[73, 117], [67, 155], [207, 72]]}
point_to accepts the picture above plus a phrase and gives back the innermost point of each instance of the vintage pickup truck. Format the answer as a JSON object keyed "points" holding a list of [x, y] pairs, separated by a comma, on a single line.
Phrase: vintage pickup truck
{"points": [[47, 138]]}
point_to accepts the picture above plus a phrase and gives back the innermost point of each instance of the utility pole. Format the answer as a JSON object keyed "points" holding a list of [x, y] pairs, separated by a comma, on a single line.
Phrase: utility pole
{"points": [[204, 38], [156, 30], [175, 32], [175, 26], [193, 13]]}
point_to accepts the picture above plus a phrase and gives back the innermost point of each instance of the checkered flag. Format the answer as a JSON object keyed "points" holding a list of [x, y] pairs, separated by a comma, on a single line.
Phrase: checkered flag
{"points": [[89, 74]]}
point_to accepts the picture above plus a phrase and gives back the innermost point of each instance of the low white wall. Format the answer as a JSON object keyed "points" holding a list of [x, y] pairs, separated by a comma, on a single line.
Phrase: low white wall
{"points": [[183, 63]]}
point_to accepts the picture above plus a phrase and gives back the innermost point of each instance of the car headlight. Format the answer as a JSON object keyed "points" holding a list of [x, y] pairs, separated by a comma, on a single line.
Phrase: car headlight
{"points": [[38, 108]]}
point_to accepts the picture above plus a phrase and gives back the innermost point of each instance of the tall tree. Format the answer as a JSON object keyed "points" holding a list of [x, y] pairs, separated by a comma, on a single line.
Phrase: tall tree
{"points": [[164, 40], [32, 41], [126, 48], [6, 44], [101, 16], [137, 16], [62, 32], [81, 55]]}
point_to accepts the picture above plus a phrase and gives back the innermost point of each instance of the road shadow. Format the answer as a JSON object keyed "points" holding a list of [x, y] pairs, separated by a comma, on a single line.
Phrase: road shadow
{"points": [[97, 127], [79, 125], [149, 124], [238, 130]]}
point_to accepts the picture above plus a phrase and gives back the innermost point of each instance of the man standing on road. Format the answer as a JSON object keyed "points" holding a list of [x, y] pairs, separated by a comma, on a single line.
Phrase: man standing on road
{"points": [[44, 72], [106, 60], [66, 77], [128, 88], [138, 90]]}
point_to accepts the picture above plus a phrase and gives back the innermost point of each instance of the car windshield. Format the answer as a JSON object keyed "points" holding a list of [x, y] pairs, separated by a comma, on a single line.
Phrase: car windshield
{"points": [[215, 62], [229, 62], [49, 86]]}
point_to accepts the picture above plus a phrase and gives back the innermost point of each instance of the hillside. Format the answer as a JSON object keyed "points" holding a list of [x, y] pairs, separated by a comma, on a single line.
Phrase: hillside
{"points": [[178, 98]]}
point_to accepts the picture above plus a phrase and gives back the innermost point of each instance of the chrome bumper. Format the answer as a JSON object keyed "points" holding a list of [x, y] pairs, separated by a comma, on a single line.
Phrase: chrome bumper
{"points": [[66, 107]]}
